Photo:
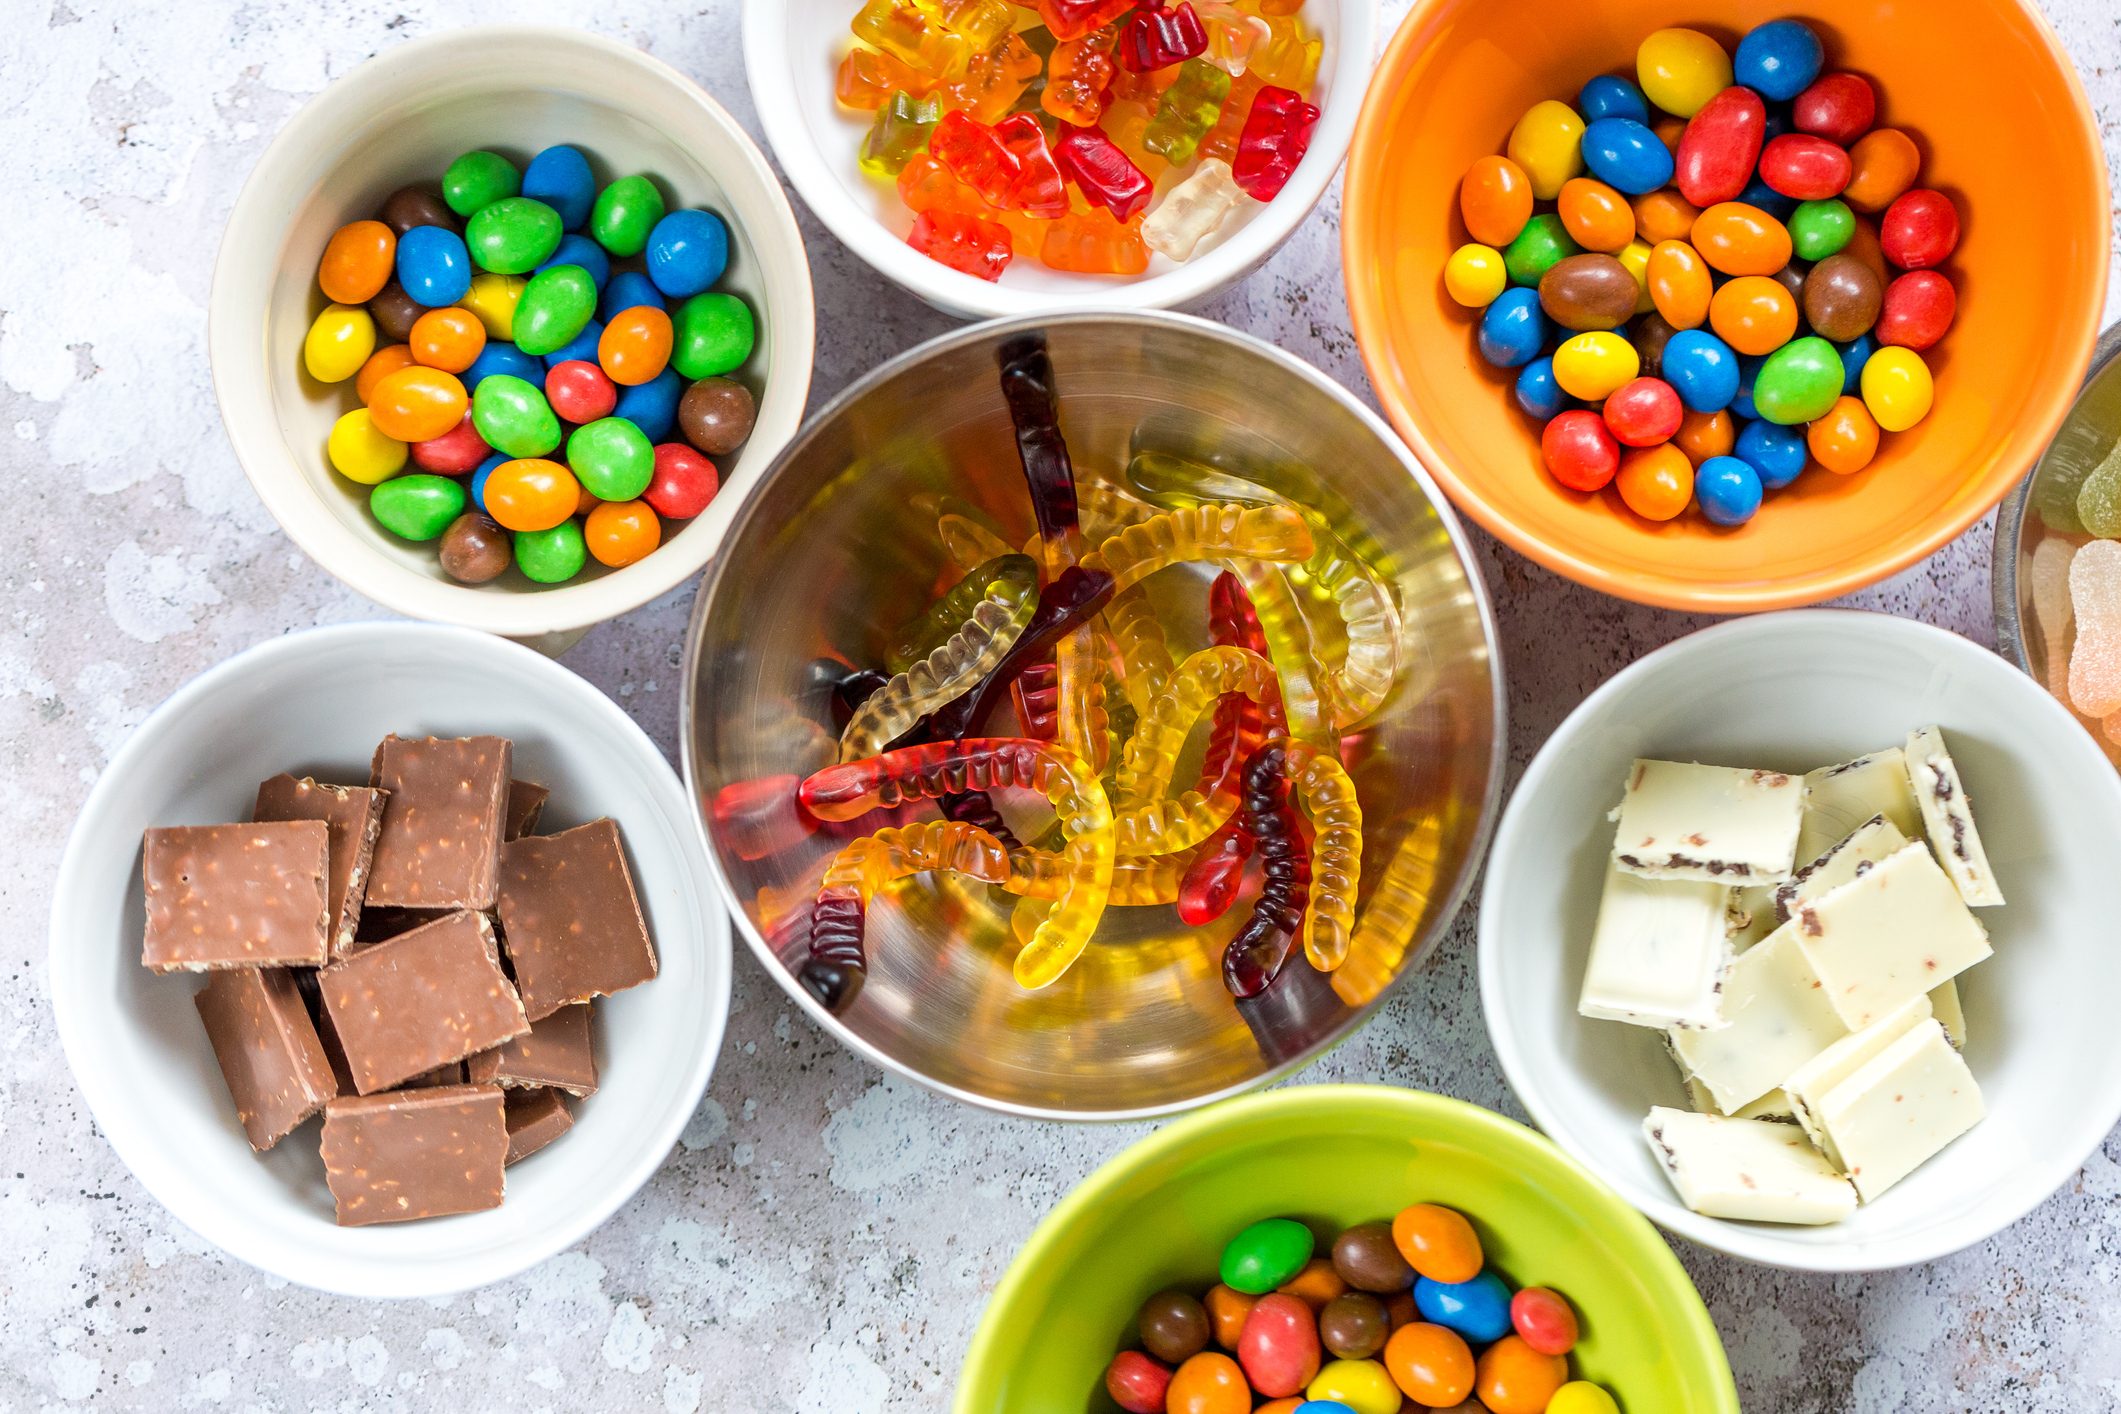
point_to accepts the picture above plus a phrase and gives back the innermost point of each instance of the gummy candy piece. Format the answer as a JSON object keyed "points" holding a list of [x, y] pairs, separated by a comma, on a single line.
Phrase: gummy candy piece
{"points": [[1276, 135], [1201, 682], [1254, 958], [964, 243], [901, 129], [1138, 881], [1079, 78], [760, 818], [976, 156], [1064, 606], [1192, 211], [1289, 57], [966, 541], [1126, 124], [962, 662], [1072, 19], [1212, 880], [838, 963], [1321, 784], [1158, 38], [982, 22], [1092, 243], [1104, 174], [868, 78], [1037, 187], [995, 79], [2095, 661], [1189, 109], [1233, 36], [1138, 642], [1221, 141], [1204, 532], [2048, 571], [1391, 920], [1106, 509], [1036, 696], [2099, 498], [921, 636], [900, 29]]}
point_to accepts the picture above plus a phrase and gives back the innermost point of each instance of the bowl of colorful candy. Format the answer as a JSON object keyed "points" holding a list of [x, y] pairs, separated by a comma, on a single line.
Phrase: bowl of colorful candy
{"points": [[1728, 308], [1350, 1244], [997, 159], [1131, 725], [500, 317]]}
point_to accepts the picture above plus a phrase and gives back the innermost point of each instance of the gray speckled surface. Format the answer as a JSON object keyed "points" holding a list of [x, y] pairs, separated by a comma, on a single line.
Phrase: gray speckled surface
{"points": [[809, 1245]]}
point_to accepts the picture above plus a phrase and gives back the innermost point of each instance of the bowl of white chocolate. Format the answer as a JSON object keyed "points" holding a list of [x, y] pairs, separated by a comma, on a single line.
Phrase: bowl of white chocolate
{"points": [[1800, 933]]}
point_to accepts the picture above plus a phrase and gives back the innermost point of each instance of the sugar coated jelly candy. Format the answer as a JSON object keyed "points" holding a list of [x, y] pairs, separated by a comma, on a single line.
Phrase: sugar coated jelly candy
{"points": [[1192, 211], [1625, 154], [2095, 659], [1897, 388], [478, 179], [340, 340], [1680, 70], [1547, 145], [1265, 1255], [1495, 199]]}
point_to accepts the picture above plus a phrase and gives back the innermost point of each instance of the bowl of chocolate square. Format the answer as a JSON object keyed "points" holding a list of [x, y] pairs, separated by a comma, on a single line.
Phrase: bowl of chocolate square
{"points": [[385, 958], [1798, 932]]}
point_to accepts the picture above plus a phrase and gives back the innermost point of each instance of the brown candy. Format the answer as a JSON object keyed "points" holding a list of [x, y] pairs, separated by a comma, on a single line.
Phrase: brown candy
{"points": [[415, 1153], [267, 1046], [1584, 292], [1354, 1325], [236, 896], [1791, 277], [1842, 297], [474, 549], [1650, 337], [717, 414], [571, 919], [1368, 1259], [1174, 1327], [408, 207], [353, 817], [535, 1118], [395, 312]]}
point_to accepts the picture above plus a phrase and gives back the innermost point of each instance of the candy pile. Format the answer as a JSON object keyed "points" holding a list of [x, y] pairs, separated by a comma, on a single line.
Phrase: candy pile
{"points": [[1163, 120], [508, 334], [2075, 575], [1713, 307], [1393, 1317]]}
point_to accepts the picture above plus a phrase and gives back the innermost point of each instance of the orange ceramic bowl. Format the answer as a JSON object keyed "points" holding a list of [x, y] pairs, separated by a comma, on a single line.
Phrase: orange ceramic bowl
{"points": [[2004, 128]]}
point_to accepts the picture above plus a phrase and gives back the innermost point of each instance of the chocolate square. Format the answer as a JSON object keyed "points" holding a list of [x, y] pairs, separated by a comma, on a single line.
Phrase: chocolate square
{"points": [[526, 802], [571, 919], [556, 1052], [352, 815], [421, 1000], [261, 1033], [236, 896], [415, 1153], [441, 838], [535, 1118]]}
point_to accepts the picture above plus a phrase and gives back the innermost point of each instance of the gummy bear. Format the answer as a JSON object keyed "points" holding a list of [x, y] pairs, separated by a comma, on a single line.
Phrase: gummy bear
{"points": [[982, 22], [1221, 141], [901, 129], [1157, 38], [1189, 110], [1037, 186], [901, 29], [994, 80], [976, 155], [1093, 243], [1275, 137], [1102, 172], [1078, 77], [1233, 35], [1192, 211], [1072, 19], [1289, 58], [868, 78], [976, 247]]}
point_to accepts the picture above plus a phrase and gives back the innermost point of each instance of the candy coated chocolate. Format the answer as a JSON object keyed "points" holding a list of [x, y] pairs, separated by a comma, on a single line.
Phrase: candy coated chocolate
{"points": [[1368, 1260], [535, 1118], [571, 919], [415, 1153], [263, 1037], [441, 838], [408, 207], [1842, 297], [1173, 1326], [717, 415], [352, 815], [236, 896], [1584, 292], [557, 1051], [474, 550], [1354, 1325], [421, 1000], [526, 802], [395, 312]]}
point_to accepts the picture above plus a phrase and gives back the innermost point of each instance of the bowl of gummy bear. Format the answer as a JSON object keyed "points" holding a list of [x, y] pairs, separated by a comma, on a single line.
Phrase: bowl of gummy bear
{"points": [[500, 319], [998, 158], [1735, 308]]}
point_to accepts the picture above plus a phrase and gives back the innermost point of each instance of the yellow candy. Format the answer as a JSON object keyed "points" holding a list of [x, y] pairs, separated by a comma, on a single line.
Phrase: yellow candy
{"points": [[1596, 365], [1362, 1385], [1474, 275], [1897, 388], [1581, 1397], [1635, 255], [1682, 69], [1548, 143], [493, 298], [338, 343], [361, 452]]}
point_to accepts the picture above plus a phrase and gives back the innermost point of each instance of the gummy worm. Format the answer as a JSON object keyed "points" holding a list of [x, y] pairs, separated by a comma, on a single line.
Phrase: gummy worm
{"points": [[1203, 532], [1254, 958], [838, 964], [1321, 783], [952, 670], [968, 542], [933, 628], [1200, 683]]}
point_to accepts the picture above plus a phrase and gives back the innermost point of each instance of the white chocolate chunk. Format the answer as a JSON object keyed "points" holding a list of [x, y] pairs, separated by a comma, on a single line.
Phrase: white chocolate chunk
{"points": [[1746, 1169], [1837, 799], [1771, 1108], [1899, 1109], [1948, 815], [1871, 843], [1811, 1082], [1657, 952], [1710, 824], [1752, 915], [1776, 1017], [1944, 1004], [1888, 936]]}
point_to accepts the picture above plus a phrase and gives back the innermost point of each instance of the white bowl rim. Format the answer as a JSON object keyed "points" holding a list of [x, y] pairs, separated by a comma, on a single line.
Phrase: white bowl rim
{"points": [[247, 416], [152, 1165], [1499, 704], [1760, 1242], [810, 172]]}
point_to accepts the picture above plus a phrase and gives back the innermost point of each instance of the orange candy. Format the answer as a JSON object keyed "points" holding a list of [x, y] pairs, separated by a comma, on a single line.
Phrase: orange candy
{"points": [[1669, 130], [1680, 284], [1227, 1310], [1596, 216], [1438, 1242], [1282, 1406], [1863, 244], [415, 404], [1513, 1378], [381, 364], [1845, 440], [358, 261], [450, 339], [585, 502], [1664, 215], [1739, 239], [1884, 162], [635, 346], [619, 532], [1431, 1365], [1655, 482], [1496, 200], [1753, 314], [531, 493], [1315, 1285], [1702, 435], [1208, 1383]]}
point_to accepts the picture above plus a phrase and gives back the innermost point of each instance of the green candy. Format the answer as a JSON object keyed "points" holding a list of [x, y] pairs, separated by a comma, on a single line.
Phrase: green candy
{"points": [[612, 458], [1540, 246], [417, 507], [1266, 1254], [555, 305], [551, 556], [513, 416], [513, 235], [626, 211], [1819, 229], [1799, 382], [711, 334], [477, 179]]}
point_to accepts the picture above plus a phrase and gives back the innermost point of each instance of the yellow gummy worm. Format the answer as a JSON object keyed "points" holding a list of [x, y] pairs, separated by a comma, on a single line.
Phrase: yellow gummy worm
{"points": [[1203, 532], [869, 863], [1202, 681], [1138, 880], [947, 673], [1328, 797]]}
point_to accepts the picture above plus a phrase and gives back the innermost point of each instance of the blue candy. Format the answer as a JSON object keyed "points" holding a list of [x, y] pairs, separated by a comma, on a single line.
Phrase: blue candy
{"points": [[582, 346], [1778, 60], [1478, 1309], [560, 177], [499, 357], [1537, 392], [652, 406], [687, 252], [1774, 203], [1703, 368], [582, 251], [433, 266], [627, 290], [1776, 452], [1742, 400], [478, 478], [1728, 490], [1854, 354], [1626, 155], [1323, 1406], [1513, 329], [1610, 96]]}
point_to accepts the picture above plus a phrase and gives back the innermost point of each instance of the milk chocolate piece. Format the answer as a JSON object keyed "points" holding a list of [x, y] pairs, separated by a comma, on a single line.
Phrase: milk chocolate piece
{"points": [[526, 802], [441, 838], [535, 1118], [268, 1049], [415, 1153], [352, 815], [571, 919], [421, 1000], [557, 1052], [236, 896]]}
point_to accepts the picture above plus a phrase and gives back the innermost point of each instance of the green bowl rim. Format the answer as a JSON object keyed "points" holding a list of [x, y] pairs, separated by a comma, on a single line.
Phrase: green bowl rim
{"points": [[1597, 1204]]}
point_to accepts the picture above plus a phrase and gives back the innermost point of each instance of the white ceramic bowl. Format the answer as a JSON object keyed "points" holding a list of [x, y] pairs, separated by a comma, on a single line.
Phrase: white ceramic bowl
{"points": [[792, 51], [402, 117], [319, 701], [1792, 691]]}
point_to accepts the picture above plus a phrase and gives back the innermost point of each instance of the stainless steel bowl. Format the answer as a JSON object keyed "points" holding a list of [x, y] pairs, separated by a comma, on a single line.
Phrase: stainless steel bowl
{"points": [[837, 545]]}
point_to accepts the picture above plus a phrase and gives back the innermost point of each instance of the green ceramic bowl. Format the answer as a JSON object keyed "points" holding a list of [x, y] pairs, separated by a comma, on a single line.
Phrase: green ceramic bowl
{"points": [[1158, 1214]]}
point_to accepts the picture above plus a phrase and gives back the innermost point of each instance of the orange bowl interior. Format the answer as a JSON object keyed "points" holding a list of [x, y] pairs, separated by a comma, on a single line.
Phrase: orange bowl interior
{"points": [[2004, 128]]}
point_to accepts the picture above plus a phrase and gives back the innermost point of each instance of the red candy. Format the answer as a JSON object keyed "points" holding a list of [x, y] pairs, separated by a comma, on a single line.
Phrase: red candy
{"points": [[1072, 19], [1213, 878], [1037, 186], [1544, 1320], [1839, 107], [1277, 131], [1579, 452], [1720, 147], [1157, 39], [1102, 171], [964, 243], [579, 391], [1644, 413], [1805, 167], [684, 482], [976, 156], [1137, 1383], [455, 452], [1278, 1347], [1920, 229], [1918, 309]]}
